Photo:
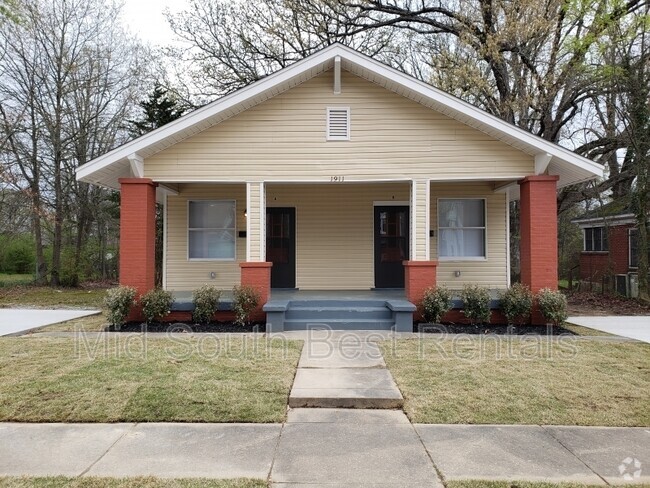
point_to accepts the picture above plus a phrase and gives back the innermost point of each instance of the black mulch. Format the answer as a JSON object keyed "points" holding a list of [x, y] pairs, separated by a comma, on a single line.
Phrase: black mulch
{"points": [[190, 328], [490, 329]]}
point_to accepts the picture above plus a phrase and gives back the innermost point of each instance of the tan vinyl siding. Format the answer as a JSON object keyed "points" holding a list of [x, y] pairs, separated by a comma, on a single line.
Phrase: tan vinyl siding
{"points": [[284, 139], [491, 272], [183, 274], [420, 219], [335, 231]]}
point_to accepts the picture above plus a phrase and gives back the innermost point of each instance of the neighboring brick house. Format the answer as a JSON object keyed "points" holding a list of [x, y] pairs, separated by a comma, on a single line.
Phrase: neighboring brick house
{"points": [[610, 247], [338, 174]]}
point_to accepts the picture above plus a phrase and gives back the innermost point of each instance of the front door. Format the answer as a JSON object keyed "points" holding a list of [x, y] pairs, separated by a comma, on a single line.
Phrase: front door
{"points": [[391, 245], [281, 246]]}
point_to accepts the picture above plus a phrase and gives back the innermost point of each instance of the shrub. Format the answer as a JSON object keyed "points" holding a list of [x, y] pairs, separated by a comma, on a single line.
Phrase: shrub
{"points": [[245, 300], [206, 301], [476, 303], [156, 304], [552, 305], [435, 303], [118, 303], [517, 303], [17, 255]]}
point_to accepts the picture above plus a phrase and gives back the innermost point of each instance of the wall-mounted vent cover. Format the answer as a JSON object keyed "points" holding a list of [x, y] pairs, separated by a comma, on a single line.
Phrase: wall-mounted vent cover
{"points": [[338, 123]]}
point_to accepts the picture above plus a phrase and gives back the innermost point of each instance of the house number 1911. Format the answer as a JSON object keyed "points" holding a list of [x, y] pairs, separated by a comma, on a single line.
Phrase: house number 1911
{"points": [[337, 179]]}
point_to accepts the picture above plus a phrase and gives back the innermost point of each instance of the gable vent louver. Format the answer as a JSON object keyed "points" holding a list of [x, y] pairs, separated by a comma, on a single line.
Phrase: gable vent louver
{"points": [[338, 124]]}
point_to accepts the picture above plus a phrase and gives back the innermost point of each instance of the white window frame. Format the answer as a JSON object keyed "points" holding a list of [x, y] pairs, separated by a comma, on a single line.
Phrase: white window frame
{"points": [[234, 202], [584, 238], [485, 228], [327, 128]]}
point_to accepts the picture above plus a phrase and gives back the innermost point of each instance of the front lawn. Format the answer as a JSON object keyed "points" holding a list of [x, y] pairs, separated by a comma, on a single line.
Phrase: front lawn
{"points": [[46, 297], [62, 481], [118, 378], [481, 380]]}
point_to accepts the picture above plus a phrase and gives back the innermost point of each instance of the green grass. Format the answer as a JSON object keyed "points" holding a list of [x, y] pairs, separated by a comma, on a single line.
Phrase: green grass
{"points": [[46, 297], [61, 481], [519, 484], [15, 279], [135, 379], [522, 381]]}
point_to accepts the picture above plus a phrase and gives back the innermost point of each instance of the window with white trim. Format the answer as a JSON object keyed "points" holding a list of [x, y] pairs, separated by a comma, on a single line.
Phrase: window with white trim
{"points": [[338, 123], [595, 239], [211, 229], [462, 228]]}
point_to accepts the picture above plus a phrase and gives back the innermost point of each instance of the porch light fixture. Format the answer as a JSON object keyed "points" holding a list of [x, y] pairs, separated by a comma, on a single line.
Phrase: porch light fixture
{"points": [[245, 213]]}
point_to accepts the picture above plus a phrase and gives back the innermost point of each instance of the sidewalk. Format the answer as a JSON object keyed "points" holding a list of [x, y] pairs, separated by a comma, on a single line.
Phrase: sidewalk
{"points": [[333, 447]]}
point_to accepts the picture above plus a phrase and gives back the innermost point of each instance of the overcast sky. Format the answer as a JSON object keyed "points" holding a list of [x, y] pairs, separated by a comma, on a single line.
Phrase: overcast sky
{"points": [[145, 18]]}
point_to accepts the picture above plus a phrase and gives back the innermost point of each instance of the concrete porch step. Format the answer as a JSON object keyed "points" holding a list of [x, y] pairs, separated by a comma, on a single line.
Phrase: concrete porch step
{"points": [[338, 312], [316, 323], [345, 388]]}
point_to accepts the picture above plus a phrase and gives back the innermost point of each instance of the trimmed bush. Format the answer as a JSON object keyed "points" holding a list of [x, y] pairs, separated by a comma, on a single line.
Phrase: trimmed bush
{"points": [[435, 303], [156, 304], [476, 304], [517, 303], [552, 305], [245, 301], [118, 303], [206, 301]]}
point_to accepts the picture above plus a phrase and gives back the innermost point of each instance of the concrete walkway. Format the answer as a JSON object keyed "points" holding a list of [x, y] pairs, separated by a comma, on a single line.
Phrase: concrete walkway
{"points": [[633, 327], [330, 447], [343, 370], [17, 321]]}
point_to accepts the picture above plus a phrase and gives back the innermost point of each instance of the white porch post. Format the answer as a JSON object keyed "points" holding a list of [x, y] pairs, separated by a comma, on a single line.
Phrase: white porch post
{"points": [[419, 271], [255, 222], [420, 221]]}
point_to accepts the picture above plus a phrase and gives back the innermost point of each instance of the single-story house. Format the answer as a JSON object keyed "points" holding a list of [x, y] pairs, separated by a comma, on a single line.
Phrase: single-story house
{"points": [[338, 173], [610, 251]]}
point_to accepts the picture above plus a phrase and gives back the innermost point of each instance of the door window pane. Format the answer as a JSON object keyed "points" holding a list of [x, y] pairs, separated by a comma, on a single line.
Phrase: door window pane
{"points": [[461, 228], [212, 229]]}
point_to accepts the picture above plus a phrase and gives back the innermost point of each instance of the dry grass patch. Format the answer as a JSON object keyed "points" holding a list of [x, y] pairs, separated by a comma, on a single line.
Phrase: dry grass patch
{"points": [[46, 297], [61, 481], [114, 378], [585, 331], [481, 380], [520, 484], [92, 323]]}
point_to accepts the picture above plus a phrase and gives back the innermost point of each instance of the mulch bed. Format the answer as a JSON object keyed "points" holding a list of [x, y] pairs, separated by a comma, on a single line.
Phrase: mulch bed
{"points": [[491, 329], [182, 327]]}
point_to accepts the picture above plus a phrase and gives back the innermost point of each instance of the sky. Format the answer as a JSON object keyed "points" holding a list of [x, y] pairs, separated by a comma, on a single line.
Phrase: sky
{"points": [[145, 18]]}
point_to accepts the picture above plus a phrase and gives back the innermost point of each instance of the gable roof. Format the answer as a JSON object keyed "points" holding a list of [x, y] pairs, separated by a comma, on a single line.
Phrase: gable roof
{"points": [[106, 169]]}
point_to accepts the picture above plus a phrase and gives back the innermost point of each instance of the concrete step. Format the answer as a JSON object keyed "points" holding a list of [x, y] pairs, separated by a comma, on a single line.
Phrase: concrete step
{"points": [[339, 312], [345, 388], [338, 324]]}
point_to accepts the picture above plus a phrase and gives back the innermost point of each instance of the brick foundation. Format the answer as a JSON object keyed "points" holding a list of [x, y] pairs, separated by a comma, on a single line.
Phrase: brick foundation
{"points": [[538, 244], [257, 275], [418, 276], [137, 236]]}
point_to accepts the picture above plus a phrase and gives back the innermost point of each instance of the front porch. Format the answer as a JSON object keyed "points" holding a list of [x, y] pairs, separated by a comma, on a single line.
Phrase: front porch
{"points": [[386, 242]]}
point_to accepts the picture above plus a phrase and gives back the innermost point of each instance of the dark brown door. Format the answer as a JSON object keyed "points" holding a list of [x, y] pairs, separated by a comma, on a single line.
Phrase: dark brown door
{"points": [[391, 246], [281, 246]]}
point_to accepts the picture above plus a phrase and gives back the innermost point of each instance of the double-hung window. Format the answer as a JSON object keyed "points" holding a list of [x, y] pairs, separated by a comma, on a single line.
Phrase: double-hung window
{"points": [[211, 229], [596, 239], [462, 228]]}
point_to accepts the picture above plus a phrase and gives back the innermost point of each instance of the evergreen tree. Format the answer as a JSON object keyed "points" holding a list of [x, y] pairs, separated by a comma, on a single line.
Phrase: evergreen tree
{"points": [[159, 109]]}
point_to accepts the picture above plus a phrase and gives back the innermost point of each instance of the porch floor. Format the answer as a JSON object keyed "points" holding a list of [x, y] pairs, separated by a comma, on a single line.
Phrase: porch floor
{"points": [[374, 294]]}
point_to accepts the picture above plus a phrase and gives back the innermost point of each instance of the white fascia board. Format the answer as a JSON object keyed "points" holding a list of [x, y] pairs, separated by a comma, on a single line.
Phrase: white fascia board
{"points": [[622, 219]]}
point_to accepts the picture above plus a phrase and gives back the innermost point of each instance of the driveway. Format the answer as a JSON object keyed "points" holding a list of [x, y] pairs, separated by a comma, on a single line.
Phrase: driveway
{"points": [[16, 321], [635, 327]]}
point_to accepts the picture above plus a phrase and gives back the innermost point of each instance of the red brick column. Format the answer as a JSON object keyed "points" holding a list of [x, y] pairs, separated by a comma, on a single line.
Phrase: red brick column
{"points": [[137, 234], [418, 276], [538, 244], [257, 275]]}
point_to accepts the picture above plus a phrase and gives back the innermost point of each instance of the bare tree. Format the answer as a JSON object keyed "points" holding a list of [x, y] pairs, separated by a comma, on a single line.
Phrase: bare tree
{"points": [[71, 76]]}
